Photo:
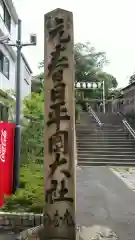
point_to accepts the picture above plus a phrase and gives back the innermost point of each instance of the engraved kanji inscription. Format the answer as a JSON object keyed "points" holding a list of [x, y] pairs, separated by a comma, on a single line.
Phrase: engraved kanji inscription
{"points": [[47, 219], [57, 61], [57, 76], [54, 25], [52, 195], [58, 92], [62, 192], [58, 142], [58, 113], [58, 162], [57, 29], [57, 220], [68, 219]]}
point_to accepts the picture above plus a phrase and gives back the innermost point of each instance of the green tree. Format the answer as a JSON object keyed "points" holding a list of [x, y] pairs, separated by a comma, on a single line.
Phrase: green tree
{"points": [[87, 62], [34, 105], [88, 67], [38, 83], [33, 130], [109, 81]]}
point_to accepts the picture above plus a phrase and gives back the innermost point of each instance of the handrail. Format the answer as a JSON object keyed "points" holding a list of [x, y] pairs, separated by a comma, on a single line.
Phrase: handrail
{"points": [[122, 114], [129, 128], [127, 125], [95, 116]]}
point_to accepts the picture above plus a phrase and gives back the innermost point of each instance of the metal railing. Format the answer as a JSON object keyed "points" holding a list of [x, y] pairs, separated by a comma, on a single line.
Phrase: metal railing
{"points": [[95, 116], [129, 128], [127, 125]]}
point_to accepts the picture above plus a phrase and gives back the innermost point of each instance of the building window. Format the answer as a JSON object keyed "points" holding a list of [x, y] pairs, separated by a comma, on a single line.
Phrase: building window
{"points": [[4, 13], [7, 18], [4, 65]]}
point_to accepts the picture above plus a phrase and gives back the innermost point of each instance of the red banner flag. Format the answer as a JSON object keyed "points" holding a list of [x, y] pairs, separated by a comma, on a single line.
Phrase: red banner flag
{"points": [[1, 188], [7, 131]]}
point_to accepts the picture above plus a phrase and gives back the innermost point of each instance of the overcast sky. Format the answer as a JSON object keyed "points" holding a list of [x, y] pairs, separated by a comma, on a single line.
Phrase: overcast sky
{"points": [[108, 24]]}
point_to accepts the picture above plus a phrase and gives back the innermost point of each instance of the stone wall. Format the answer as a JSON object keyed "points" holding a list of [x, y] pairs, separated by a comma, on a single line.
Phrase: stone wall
{"points": [[16, 222]]}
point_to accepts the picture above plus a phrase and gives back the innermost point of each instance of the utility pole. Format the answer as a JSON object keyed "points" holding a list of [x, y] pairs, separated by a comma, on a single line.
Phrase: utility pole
{"points": [[6, 41], [18, 109], [103, 96]]}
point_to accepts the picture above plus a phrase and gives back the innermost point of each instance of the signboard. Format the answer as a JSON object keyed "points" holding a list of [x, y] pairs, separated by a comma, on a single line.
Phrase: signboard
{"points": [[7, 131]]}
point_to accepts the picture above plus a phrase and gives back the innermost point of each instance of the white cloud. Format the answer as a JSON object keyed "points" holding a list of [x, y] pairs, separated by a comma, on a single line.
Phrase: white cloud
{"points": [[107, 24]]}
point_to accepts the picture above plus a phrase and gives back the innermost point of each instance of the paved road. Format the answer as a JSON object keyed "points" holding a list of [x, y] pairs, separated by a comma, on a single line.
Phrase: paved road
{"points": [[103, 199]]}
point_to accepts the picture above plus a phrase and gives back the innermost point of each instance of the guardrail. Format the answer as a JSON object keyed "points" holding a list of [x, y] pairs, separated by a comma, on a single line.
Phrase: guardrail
{"points": [[95, 116]]}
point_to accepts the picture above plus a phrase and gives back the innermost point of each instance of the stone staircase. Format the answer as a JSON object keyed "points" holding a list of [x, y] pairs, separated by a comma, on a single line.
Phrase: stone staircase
{"points": [[106, 145], [109, 118]]}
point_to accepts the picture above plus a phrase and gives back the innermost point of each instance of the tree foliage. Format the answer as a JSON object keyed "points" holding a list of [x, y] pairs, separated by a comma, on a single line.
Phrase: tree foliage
{"points": [[87, 62], [132, 79], [88, 67], [34, 105]]}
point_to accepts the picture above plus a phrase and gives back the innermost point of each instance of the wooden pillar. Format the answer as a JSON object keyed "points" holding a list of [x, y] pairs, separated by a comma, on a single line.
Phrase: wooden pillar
{"points": [[59, 144]]}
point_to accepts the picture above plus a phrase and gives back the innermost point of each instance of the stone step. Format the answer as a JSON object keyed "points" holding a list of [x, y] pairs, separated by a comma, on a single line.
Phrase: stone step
{"points": [[104, 156], [87, 137], [93, 133], [130, 143], [105, 147], [98, 148], [107, 163], [103, 141], [107, 131], [107, 151], [96, 134], [107, 159], [101, 136]]}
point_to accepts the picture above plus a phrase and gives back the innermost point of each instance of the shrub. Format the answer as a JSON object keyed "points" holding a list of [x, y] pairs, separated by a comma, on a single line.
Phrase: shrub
{"points": [[30, 196]]}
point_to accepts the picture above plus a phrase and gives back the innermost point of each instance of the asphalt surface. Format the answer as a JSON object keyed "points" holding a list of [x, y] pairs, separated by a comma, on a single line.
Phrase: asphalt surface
{"points": [[103, 199]]}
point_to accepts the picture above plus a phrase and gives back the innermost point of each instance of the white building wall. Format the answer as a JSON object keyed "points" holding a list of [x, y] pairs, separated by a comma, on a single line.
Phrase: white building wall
{"points": [[25, 80], [3, 28], [8, 84], [10, 53], [13, 31]]}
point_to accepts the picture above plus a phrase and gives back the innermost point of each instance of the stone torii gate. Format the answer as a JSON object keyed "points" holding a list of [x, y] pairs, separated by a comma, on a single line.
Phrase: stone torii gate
{"points": [[60, 143]]}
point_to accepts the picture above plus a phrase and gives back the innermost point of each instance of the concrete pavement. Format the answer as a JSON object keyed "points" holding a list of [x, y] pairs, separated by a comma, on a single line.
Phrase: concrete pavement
{"points": [[104, 199]]}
